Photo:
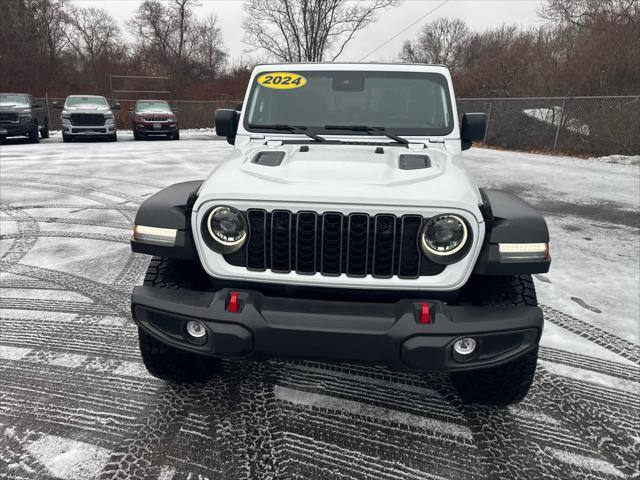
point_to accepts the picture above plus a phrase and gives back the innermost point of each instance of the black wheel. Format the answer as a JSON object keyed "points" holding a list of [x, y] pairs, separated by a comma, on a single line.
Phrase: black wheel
{"points": [[66, 138], [113, 138], [175, 136], [44, 133], [508, 383], [174, 365], [137, 136], [163, 361], [33, 134]]}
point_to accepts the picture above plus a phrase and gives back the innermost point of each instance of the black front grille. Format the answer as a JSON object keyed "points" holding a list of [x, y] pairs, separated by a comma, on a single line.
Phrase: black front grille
{"points": [[332, 244], [156, 119], [9, 117], [88, 119]]}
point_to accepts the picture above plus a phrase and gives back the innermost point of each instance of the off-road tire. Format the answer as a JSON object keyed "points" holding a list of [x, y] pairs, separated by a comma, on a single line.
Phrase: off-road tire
{"points": [[163, 361], [508, 383], [33, 135], [44, 133], [174, 365]]}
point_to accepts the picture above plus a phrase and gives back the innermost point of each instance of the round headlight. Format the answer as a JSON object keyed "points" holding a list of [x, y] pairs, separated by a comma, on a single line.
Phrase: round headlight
{"points": [[444, 238], [225, 229]]}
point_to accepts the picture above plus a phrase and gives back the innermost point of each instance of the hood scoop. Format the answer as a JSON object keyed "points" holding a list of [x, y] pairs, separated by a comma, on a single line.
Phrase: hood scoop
{"points": [[414, 162], [268, 159]]}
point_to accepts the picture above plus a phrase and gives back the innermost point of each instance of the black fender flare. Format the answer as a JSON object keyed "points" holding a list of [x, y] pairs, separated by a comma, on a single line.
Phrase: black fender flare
{"points": [[509, 219], [170, 208]]}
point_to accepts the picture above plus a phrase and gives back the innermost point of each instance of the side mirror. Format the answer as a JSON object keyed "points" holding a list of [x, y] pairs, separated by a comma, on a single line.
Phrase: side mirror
{"points": [[226, 123], [57, 105], [115, 106], [472, 128]]}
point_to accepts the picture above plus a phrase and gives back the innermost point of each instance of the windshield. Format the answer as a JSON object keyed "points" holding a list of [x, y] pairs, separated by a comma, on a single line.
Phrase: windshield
{"points": [[86, 102], [14, 100], [406, 103], [153, 106]]}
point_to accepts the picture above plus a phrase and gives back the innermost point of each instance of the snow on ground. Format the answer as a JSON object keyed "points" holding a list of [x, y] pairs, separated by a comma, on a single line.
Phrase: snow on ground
{"points": [[76, 401], [592, 209]]}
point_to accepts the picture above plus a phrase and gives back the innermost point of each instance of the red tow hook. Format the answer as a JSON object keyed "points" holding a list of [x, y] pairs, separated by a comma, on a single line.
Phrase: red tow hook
{"points": [[425, 316], [234, 303]]}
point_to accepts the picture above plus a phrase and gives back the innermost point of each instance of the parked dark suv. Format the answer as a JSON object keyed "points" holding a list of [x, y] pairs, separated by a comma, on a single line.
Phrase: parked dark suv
{"points": [[152, 118], [21, 116]]}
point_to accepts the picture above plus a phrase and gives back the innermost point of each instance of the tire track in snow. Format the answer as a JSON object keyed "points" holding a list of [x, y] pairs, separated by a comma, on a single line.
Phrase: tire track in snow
{"points": [[585, 362], [28, 231], [76, 192], [596, 335]]}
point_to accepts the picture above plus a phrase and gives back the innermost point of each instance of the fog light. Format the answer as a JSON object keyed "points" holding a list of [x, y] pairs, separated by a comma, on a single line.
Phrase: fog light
{"points": [[465, 346], [196, 329]]}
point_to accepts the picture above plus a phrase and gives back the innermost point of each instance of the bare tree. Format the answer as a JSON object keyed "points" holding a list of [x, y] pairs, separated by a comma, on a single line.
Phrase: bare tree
{"points": [[154, 29], [583, 13], [94, 35], [307, 30], [166, 31], [181, 11], [442, 41], [51, 24], [209, 53]]}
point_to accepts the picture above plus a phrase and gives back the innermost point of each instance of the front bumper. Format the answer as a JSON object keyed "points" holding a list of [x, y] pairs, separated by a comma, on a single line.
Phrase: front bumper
{"points": [[89, 131], [376, 333], [151, 129], [17, 129]]}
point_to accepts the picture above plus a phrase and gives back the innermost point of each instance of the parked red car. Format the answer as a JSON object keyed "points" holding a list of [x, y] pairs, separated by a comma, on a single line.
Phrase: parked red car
{"points": [[151, 118]]}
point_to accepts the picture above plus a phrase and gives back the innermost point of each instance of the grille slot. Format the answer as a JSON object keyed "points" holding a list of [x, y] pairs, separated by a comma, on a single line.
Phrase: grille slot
{"points": [[384, 245], [306, 243], [333, 244], [358, 245], [332, 227], [257, 244], [410, 256], [87, 119], [281, 241]]}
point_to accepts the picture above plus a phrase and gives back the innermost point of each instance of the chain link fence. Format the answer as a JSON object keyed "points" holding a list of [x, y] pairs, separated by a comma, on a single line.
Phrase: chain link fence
{"points": [[593, 126], [574, 125]]}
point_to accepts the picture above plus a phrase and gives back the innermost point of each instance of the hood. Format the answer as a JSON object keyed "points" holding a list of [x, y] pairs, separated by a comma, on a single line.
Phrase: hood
{"points": [[87, 109], [15, 108], [153, 112], [342, 174]]}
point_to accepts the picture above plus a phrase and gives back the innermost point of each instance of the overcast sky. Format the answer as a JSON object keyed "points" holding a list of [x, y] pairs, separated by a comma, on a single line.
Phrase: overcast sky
{"points": [[478, 14]]}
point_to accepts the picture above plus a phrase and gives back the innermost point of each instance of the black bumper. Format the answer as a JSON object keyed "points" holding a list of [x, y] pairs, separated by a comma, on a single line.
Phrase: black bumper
{"points": [[143, 129], [377, 333]]}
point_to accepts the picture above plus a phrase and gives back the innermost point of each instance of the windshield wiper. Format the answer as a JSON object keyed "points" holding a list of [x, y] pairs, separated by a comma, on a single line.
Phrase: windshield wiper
{"points": [[290, 128], [369, 130]]}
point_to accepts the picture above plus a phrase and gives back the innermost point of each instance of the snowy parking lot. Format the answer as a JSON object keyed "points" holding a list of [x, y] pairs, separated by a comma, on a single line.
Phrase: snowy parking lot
{"points": [[76, 401]]}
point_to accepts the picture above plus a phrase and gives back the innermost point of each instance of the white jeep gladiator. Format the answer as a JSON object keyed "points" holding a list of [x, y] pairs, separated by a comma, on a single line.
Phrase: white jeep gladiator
{"points": [[344, 226]]}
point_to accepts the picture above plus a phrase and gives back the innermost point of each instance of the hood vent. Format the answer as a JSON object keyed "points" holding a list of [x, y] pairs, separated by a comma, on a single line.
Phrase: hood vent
{"points": [[414, 162], [268, 159]]}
